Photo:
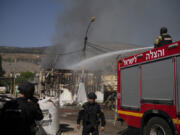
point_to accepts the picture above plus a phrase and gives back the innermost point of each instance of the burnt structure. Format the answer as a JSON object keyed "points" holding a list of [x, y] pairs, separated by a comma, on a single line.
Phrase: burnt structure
{"points": [[53, 81]]}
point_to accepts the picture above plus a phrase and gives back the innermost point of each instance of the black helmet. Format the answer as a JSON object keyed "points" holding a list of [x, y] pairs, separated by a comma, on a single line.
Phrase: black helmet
{"points": [[163, 30], [92, 95], [27, 89]]}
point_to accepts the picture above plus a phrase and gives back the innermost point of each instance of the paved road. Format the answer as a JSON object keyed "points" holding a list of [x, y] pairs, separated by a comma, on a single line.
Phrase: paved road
{"points": [[68, 120]]}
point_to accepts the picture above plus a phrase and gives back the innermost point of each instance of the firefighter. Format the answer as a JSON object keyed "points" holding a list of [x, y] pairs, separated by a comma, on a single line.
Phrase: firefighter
{"points": [[20, 115], [163, 38], [92, 116]]}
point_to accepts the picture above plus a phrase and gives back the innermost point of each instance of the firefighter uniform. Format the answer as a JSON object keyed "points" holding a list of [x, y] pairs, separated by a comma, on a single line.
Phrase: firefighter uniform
{"points": [[92, 117], [163, 39], [19, 115]]}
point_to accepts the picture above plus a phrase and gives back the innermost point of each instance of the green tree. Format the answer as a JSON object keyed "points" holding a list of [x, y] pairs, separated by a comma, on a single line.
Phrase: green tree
{"points": [[25, 76]]}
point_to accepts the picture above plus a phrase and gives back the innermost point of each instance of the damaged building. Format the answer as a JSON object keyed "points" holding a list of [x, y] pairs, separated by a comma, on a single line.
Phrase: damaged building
{"points": [[100, 75]]}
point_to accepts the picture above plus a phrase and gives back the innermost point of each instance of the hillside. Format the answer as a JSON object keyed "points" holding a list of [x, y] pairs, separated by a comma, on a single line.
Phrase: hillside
{"points": [[27, 59], [32, 50]]}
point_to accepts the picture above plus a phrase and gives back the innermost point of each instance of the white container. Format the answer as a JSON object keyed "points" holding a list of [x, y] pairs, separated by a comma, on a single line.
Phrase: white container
{"points": [[100, 97], [50, 109], [65, 97]]}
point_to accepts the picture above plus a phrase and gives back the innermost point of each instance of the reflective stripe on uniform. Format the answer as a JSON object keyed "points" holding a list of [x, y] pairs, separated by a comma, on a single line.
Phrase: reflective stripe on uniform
{"points": [[159, 38], [167, 38]]}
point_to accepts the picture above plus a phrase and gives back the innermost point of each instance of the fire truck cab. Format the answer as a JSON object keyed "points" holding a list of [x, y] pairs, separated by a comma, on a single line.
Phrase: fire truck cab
{"points": [[148, 95]]}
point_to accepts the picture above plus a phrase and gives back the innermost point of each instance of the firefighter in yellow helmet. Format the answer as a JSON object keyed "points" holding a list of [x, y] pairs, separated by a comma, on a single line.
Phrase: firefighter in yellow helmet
{"points": [[163, 39]]}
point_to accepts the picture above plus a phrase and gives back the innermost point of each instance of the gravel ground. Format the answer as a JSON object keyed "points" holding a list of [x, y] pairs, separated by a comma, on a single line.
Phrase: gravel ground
{"points": [[68, 117]]}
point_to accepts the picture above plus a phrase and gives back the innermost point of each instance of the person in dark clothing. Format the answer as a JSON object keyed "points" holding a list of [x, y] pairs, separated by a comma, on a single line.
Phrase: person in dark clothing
{"points": [[92, 116], [163, 38], [20, 115]]}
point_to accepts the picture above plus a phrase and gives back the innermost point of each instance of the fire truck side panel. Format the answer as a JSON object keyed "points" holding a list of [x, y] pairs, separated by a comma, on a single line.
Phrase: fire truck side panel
{"points": [[158, 82], [178, 90], [178, 82], [130, 94], [157, 78], [132, 121], [118, 86], [169, 109]]}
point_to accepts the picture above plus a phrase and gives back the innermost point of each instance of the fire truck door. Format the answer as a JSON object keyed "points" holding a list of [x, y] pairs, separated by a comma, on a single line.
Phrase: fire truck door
{"points": [[130, 87], [158, 80]]}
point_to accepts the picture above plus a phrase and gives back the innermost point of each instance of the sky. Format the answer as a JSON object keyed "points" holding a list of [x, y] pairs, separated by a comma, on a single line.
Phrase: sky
{"points": [[34, 23], [28, 23]]}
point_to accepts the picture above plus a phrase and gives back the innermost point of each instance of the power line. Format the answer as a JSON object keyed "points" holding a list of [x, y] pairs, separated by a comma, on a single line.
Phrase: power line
{"points": [[100, 46], [99, 49], [72, 52]]}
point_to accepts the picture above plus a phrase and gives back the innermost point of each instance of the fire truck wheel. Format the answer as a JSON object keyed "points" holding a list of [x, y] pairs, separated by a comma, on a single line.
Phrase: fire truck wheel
{"points": [[157, 126]]}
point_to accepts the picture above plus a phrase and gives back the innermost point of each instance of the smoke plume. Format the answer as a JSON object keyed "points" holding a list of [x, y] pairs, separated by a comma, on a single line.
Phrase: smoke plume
{"points": [[117, 21]]}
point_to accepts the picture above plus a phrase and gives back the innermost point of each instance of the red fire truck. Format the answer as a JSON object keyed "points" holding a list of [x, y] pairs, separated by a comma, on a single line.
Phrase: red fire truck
{"points": [[149, 90]]}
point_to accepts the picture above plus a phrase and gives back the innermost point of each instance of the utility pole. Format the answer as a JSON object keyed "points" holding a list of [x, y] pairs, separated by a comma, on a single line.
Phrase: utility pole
{"points": [[82, 93], [93, 18], [14, 78]]}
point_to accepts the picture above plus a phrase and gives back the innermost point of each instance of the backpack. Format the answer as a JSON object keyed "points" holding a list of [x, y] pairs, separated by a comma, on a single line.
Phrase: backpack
{"points": [[12, 118]]}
